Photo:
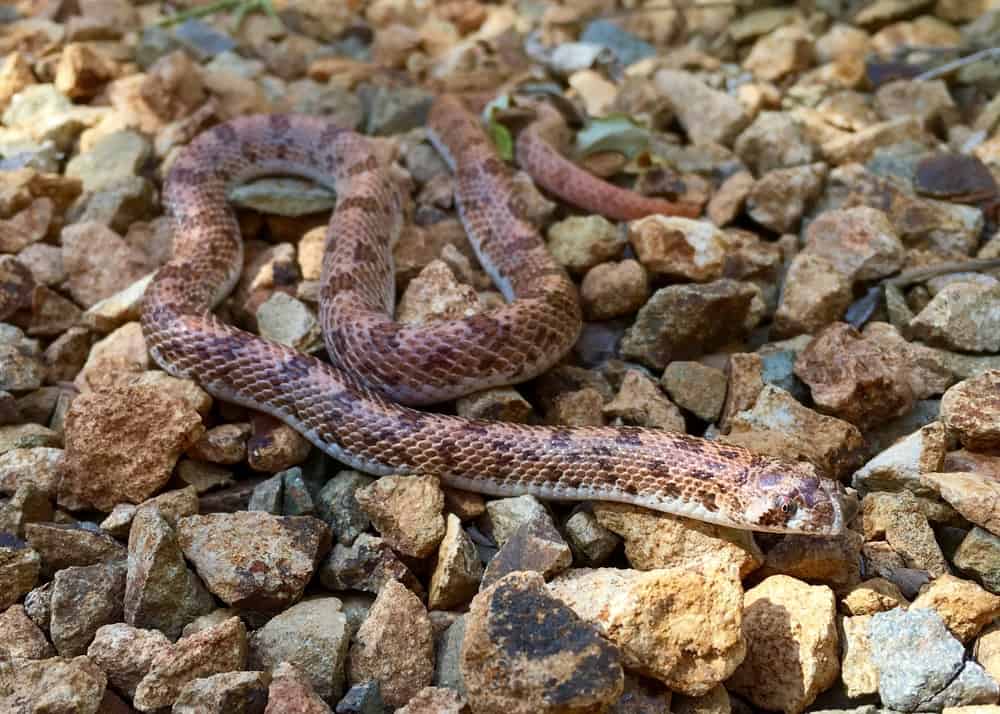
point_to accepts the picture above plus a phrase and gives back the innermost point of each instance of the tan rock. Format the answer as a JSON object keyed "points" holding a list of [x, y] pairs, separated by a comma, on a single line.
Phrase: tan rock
{"points": [[973, 495], [679, 626], [56, 684], [82, 71], [780, 197], [126, 653], [458, 571], [525, 652], [394, 646], [217, 649], [581, 242], [406, 511], [859, 242], [781, 52], [693, 100], [20, 637], [899, 518], [122, 444], [773, 141], [728, 200], [860, 145], [497, 404], [223, 444], [815, 294], [656, 540], [99, 262], [972, 410], [679, 248], [871, 596], [612, 290], [987, 650], [857, 669], [964, 606], [901, 465], [698, 388], [792, 644], [640, 402], [435, 294], [963, 316], [274, 446]]}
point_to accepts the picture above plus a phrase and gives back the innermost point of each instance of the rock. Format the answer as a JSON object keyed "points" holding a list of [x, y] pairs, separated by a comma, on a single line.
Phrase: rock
{"points": [[582, 407], [161, 592], [21, 368], [122, 444], [99, 262], [362, 699], [396, 110], [640, 402], [692, 101], [657, 620], [436, 700], [28, 505], [899, 518], [535, 546], [394, 646], [506, 515], [859, 242], [367, 565], [288, 321], [972, 410], [65, 545], [978, 555], [83, 600], [860, 145], [337, 505], [921, 665], [291, 693], [871, 596], [901, 465], [728, 200], [580, 242], [964, 607], [830, 561], [684, 321], [497, 404], [525, 651], [37, 466], [929, 101], [987, 649], [115, 156], [223, 444], [854, 378], [792, 644], [612, 290], [275, 447], [215, 650], [656, 540], [963, 316], [55, 685], [773, 141], [678, 248], [814, 295], [236, 692], [971, 494], [780, 197], [591, 542], [279, 554], [715, 702], [698, 388], [781, 52], [406, 511], [27, 436], [857, 669], [778, 425], [458, 570], [312, 636], [125, 653], [22, 638]]}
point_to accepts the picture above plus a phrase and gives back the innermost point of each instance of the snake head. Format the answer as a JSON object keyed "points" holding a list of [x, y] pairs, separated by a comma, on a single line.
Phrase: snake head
{"points": [[791, 497]]}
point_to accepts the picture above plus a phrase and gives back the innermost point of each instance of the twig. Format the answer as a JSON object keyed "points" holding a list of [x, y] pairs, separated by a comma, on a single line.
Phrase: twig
{"points": [[242, 7], [989, 53], [679, 5], [918, 275]]}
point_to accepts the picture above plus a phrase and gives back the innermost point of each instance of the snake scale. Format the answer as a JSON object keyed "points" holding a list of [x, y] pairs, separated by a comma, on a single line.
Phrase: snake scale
{"points": [[353, 409]]}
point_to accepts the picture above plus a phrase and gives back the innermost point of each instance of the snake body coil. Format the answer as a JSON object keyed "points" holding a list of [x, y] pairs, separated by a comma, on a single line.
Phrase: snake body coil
{"points": [[351, 409]]}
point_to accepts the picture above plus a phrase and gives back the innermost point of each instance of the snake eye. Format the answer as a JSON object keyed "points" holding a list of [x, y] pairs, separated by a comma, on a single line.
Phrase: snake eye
{"points": [[789, 507]]}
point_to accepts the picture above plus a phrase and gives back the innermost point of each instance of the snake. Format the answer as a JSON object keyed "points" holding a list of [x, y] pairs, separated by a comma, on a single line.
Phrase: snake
{"points": [[363, 407]]}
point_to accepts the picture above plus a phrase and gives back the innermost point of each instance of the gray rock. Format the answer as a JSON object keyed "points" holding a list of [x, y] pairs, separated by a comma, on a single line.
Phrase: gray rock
{"points": [[395, 110], [64, 545], [120, 204], [267, 496], [978, 555], [505, 515], [535, 546], [283, 196], [312, 635], [448, 657], [83, 600], [116, 156], [962, 316], [154, 43], [627, 47], [366, 565], [203, 41], [21, 366], [591, 542], [296, 499], [161, 592], [237, 692], [920, 664], [364, 698], [337, 505]]}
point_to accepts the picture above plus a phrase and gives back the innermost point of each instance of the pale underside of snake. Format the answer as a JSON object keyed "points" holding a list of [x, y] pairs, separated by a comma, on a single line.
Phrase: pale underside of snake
{"points": [[352, 410]]}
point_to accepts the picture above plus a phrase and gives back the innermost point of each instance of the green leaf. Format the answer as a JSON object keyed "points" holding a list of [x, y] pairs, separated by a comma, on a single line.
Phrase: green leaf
{"points": [[618, 133], [502, 140]]}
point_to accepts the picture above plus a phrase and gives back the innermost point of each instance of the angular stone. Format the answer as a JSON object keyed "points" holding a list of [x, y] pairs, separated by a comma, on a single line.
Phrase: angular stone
{"points": [[337, 505], [367, 565], [899, 518], [236, 692], [780, 198], [525, 652], [612, 290], [64, 545], [678, 626], [859, 242], [815, 295], [291, 693], [458, 570], [54, 685], [39, 466], [535, 546], [901, 465], [83, 600], [20, 637], [394, 646], [215, 650], [792, 644], [161, 591], [978, 555], [871, 596], [857, 669], [679, 248], [692, 101], [975, 496], [252, 559], [581, 242], [972, 410], [963, 316], [591, 542], [125, 653], [964, 607], [406, 511], [312, 636]]}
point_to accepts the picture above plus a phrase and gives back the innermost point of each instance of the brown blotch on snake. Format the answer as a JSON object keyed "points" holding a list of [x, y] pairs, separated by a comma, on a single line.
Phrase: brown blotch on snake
{"points": [[352, 410]]}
